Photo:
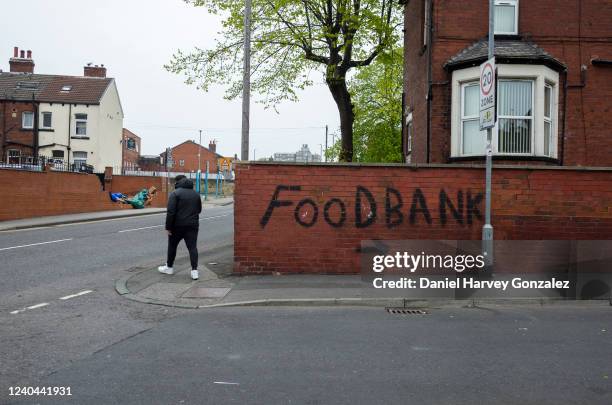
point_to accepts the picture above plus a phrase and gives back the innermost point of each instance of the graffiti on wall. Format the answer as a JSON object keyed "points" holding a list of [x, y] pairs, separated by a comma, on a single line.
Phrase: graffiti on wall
{"points": [[462, 208]]}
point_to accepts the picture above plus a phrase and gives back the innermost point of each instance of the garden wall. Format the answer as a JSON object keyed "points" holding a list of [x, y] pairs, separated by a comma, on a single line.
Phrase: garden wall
{"points": [[294, 218]]}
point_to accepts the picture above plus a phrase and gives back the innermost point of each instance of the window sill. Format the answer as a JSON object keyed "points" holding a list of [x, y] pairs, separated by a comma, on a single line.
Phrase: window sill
{"points": [[514, 158], [46, 130], [26, 129], [80, 137]]}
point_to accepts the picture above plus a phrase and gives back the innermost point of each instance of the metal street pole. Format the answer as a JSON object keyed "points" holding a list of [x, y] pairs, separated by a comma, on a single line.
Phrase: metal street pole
{"points": [[199, 174], [246, 81], [326, 142], [199, 150], [487, 229]]}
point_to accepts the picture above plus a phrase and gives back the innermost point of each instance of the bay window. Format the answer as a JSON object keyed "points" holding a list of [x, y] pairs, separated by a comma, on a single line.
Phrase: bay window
{"points": [[526, 112]]}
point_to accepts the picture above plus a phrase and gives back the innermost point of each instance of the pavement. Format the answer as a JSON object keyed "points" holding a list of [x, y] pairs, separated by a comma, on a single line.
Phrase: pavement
{"points": [[96, 216], [218, 287]]}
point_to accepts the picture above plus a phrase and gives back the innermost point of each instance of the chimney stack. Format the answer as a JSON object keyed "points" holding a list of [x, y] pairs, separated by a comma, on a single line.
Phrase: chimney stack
{"points": [[212, 146], [19, 63], [94, 71]]}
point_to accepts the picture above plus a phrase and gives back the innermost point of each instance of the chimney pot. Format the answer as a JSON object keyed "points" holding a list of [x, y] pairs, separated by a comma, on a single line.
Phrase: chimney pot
{"points": [[19, 64], [94, 71]]}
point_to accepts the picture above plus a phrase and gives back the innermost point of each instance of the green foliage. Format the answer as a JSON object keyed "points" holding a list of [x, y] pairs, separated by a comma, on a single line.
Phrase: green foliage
{"points": [[377, 95], [290, 40]]}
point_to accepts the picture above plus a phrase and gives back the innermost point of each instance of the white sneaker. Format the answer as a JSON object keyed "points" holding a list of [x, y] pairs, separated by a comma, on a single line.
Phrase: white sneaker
{"points": [[165, 269], [195, 274]]}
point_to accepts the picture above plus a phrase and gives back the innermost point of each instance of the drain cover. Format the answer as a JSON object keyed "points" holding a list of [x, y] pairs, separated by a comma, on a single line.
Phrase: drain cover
{"points": [[406, 311]]}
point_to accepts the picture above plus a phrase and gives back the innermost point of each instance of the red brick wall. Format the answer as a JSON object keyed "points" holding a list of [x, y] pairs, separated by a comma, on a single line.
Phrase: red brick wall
{"points": [[11, 134], [33, 194], [528, 203], [572, 31]]}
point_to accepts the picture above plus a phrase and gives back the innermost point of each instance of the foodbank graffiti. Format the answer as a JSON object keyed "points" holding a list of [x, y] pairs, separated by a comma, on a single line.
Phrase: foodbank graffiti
{"points": [[462, 208]]}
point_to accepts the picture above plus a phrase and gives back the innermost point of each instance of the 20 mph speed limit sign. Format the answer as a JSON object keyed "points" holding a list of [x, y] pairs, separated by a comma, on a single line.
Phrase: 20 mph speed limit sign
{"points": [[487, 94]]}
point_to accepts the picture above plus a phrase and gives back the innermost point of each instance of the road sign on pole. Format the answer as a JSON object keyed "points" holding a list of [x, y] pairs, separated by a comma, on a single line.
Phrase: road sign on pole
{"points": [[487, 94], [488, 70]]}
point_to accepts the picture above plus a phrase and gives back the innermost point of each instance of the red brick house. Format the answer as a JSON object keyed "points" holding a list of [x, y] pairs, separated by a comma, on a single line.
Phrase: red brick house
{"points": [[131, 150], [554, 90], [185, 157]]}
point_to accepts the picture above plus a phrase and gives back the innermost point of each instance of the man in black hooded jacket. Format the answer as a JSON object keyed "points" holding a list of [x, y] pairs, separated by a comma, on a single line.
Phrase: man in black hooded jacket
{"points": [[183, 222]]}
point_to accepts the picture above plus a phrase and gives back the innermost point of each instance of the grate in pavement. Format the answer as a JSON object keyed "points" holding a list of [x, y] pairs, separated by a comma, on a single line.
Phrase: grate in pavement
{"points": [[406, 311]]}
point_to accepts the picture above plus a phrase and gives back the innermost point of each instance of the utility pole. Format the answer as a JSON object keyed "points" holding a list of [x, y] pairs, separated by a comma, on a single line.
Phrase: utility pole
{"points": [[199, 151], [199, 174], [326, 142], [246, 81], [487, 229]]}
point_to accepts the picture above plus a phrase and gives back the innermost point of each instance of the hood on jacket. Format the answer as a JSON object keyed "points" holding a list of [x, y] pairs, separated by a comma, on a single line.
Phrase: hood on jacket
{"points": [[184, 183]]}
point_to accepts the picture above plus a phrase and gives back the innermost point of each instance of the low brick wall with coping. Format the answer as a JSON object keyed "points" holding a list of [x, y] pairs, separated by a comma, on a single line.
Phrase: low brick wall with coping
{"points": [[311, 218], [27, 194]]}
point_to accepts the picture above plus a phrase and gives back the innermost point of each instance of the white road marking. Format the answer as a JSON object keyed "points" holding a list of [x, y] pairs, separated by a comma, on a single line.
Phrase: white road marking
{"points": [[139, 229], [158, 226], [35, 244], [108, 220], [67, 297], [43, 304], [226, 383], [218, 216]]}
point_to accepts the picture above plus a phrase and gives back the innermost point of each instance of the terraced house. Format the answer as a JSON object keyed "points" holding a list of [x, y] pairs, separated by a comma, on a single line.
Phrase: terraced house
{"points": [[75, 119], [554, 60]]}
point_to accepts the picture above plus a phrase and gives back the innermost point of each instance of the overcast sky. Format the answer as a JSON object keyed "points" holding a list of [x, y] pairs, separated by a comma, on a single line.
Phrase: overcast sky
{"points": [[134, 39]]}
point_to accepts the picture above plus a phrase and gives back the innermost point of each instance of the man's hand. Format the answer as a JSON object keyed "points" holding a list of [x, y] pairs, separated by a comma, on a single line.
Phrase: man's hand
{"points": [[169, 232]]}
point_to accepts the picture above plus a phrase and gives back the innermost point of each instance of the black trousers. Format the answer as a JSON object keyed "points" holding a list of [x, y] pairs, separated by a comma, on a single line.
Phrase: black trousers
{"points": [[190, 235]]}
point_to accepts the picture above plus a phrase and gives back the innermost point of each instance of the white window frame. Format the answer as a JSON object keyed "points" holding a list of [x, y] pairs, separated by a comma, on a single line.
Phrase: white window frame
{"points": [[541, 75], [10, 156], [517, 117], [78, 121], [79, 161], [409, 136], [181, 162], [42, 119], [23, 119], [549, 119], [465, 118], [514, 3]]}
